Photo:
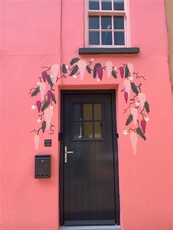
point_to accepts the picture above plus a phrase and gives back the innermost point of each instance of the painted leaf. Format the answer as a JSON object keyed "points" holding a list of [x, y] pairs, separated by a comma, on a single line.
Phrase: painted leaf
{"points": [[127, 72], [114, 74], [74, 60], [53, 98], [88, 69], [35, 92], [95, 69], [121, 71], [140, 133], [44, 75], [38, 104], [134, 113], [43, 126], [129, 119], [130, 66], [143, 125], [45, 105], [126, 96], [100, 72], [109, 65], [134, 88], [64, 69], [147, 107], [142, 99], [49, 81], [49, 95], [74, 70]]}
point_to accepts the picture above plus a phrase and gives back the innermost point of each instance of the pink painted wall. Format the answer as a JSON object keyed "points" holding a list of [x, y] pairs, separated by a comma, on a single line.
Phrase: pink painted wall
{"points": [[30, 38]]}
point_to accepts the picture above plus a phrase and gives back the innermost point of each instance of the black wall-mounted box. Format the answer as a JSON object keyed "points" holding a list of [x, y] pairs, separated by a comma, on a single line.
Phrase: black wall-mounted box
{"points": [[42, 166]]}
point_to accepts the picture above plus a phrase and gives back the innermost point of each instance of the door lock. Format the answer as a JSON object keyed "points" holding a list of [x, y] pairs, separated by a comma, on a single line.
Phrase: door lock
{"points": [[65, 154]]}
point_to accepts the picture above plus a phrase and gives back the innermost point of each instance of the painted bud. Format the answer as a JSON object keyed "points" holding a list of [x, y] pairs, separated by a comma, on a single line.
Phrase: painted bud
{"points": [[100, 72], [49, 95], [121, 72], [38, 104], [143, 125], [44, 75]]}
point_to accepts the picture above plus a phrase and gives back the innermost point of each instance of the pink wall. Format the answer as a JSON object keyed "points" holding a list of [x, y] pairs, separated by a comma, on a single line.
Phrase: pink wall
{"points": [[30, 39]]}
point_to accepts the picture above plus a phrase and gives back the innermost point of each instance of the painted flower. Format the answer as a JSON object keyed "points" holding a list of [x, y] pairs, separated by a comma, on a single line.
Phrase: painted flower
{"points": [[66, 66], [92, 59], [137, 104], [74, 76], [98, 79], [39, 120], [131, 78], [38, 82], [115, 68], [125, 132], [33, 107], [51, 107], [147, 119]]}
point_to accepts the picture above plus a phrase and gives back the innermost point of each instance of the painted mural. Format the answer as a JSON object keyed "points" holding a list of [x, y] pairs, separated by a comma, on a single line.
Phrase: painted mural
{"points": [[136, 106]]}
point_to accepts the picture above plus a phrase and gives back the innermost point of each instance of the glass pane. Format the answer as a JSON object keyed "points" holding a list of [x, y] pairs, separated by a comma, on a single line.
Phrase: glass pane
{"points": [[106, 38], [97, 129], [77, 112], [93, 22], [87, 111], [97, 112], [87, 130], [94, 4], [94, 38], [77, 126], [119, 38], [118, 4], [106, 4], [106, 22], [119, 22]]}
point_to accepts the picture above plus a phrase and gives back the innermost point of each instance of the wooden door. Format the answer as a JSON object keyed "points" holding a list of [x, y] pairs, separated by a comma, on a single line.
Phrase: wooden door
{"points": [[88, 163]]}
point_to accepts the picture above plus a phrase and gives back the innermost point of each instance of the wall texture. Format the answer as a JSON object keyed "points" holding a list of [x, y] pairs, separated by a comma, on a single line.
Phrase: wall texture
{"points": [[36, 34]]}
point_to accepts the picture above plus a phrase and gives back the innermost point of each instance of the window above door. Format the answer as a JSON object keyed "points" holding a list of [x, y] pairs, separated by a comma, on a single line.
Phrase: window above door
{"points": [[106, 23]]}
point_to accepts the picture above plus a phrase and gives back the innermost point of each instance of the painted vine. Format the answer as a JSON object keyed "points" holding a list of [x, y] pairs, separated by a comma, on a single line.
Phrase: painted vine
{"points": [[137, 107]]}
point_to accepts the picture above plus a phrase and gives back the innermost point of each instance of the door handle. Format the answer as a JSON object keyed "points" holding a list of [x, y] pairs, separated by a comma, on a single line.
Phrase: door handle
{"points": [[65, 154]]}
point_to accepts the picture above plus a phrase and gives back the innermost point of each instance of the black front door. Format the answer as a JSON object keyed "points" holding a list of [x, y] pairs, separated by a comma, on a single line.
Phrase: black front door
{"points": [[89, 181]]}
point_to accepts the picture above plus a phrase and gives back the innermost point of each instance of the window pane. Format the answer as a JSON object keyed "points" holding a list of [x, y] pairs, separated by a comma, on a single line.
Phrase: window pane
{"points": [[87, 130], [118, 4], [87, 111], [106, 38], [77, 112], [106, 22], [119, 22], [94, 38], [97, 112], [97, 129], [77, 127], [106, 5], [119, 38], [93, 22], [94, 4]]}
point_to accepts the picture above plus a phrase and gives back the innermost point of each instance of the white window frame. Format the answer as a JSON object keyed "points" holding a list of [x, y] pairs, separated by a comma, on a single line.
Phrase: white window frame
{"points": [[111, 13]]}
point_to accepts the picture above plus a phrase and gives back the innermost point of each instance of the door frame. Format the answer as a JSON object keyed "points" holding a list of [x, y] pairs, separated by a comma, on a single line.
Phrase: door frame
{"points": [[115, 151]]}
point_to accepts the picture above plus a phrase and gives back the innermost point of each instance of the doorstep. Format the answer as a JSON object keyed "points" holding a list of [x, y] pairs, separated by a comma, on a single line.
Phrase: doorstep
{"points": [[103, 227]]}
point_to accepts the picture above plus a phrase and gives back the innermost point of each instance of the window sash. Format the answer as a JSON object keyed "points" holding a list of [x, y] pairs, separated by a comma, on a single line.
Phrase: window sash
{"points": [[111, 13]]}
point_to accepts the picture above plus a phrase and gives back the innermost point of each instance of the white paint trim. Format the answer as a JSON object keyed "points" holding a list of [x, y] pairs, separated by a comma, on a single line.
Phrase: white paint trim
{"points": [[106, 227], [125, 13]]}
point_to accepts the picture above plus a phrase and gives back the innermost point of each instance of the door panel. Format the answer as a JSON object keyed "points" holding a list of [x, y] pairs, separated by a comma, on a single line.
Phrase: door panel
{"points": [[88, 169]]}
